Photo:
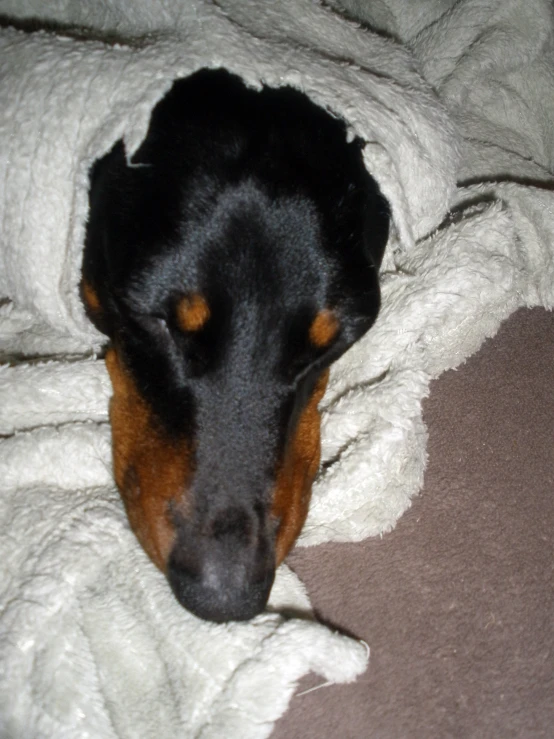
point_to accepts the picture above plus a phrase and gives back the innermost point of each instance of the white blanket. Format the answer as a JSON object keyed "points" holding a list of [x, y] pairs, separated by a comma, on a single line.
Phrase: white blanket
{"points": [[92, 642]]}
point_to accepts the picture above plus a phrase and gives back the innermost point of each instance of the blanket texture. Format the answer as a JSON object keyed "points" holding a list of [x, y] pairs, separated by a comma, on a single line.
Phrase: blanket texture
{"points": [[92, 643]]}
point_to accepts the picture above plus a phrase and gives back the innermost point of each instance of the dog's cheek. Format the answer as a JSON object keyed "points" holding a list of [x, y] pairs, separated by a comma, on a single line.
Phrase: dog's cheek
{"points": [[296, 474], [151, 470]]}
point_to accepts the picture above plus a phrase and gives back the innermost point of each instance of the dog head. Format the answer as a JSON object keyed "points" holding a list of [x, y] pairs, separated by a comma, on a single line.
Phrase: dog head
{"points": [[230, 262]]}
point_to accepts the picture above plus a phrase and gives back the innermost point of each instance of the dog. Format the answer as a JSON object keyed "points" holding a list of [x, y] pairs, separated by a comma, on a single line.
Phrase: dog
{"points": [[229, 262]]}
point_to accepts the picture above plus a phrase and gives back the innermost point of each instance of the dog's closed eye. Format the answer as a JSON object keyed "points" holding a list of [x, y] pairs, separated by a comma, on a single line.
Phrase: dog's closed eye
{"points": [[154, 325]]}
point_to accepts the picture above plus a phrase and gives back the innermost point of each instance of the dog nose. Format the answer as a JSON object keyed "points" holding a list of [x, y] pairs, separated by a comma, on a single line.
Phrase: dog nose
{"points": [[219, 594], [226, 574]]}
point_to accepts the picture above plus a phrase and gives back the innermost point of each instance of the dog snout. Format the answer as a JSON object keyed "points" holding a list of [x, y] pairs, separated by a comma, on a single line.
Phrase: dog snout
{"points": [[223, 571]]}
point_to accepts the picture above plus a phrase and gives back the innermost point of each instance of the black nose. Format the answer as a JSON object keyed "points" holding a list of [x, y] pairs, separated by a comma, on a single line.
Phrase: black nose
{"points": [[219, 593], [225, 574]]}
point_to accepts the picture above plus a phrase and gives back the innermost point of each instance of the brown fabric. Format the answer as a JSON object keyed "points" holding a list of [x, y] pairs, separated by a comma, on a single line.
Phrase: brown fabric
{"points": [[457, 603]]}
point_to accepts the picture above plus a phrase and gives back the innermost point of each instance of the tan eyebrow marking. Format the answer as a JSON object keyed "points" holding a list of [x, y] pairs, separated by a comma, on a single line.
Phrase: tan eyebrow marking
{"points": [[324, 328], [192, 312], [90, 297]]}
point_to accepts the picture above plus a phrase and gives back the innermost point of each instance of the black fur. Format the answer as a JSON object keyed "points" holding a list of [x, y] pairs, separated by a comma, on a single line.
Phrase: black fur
{"points": [[255, 200]]}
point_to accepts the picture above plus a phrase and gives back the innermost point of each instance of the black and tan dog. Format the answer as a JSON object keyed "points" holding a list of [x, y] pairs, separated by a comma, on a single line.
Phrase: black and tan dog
{"points": [[230, 262]]}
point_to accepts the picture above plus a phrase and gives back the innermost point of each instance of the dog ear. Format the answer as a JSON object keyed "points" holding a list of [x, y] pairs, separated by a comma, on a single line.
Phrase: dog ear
{"points": [[95, 268], [377, 225], [355, 293]]}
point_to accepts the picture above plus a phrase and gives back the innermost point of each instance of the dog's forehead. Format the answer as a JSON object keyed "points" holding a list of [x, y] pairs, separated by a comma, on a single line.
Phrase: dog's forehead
{"points": [[248, 248]]}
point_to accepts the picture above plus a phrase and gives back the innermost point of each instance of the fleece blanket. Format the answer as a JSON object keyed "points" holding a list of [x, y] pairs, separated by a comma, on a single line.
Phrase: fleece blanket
{"points": [[455, 101]]}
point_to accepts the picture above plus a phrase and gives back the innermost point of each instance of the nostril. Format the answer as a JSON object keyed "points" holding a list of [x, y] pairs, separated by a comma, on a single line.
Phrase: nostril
{"points": [[232, 522]]}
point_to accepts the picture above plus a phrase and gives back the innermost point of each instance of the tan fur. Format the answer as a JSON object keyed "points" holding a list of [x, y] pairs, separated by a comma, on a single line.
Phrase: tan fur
{"points": [[151, 470], [296, 475], [324, 328], [192, 312]]}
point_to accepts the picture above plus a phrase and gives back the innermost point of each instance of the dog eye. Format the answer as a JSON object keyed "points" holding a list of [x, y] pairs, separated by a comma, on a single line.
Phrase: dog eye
{"points": [[160, 325], [153, 324]]}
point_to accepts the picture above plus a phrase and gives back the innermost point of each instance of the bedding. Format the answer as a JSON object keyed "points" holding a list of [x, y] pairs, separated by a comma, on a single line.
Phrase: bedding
{"points": [[455, 101]]}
